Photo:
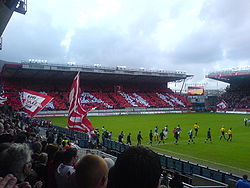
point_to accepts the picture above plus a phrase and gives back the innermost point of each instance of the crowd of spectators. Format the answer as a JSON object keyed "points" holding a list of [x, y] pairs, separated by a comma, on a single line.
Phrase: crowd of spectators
{"points": [[237, 99], [28, 159]]}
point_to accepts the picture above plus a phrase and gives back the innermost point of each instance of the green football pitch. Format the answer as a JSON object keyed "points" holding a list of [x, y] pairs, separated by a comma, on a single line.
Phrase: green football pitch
{"points": [[228, 156]]}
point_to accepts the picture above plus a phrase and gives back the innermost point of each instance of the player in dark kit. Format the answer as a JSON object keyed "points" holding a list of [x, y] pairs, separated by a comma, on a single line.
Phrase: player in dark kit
{"points": [[190, 135], [209, 136], [150, 137], [156, 134], [176, 135], [161, 137], [129, 139], [139, 138], [120, 137]]}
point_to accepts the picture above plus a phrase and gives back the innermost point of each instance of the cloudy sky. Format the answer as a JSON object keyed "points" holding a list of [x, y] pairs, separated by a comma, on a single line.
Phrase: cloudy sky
{"points": [[195, 36]]}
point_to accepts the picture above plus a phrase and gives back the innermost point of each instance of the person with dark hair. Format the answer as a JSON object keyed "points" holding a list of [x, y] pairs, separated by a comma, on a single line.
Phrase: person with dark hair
{"points": [[52, 166], [190, 136], [40, 167], [161, 137], [66, 168], [196, 129], [176, 135], [129, 139], [223, 131], [209, 136], [156, 134], [230, 135], [37, 148], [137, 166], [120, 137], [139, 138], [243, 183]]}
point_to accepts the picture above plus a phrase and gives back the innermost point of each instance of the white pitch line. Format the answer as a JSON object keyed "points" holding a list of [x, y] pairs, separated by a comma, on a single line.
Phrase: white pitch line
{"points": [[202, 159]]}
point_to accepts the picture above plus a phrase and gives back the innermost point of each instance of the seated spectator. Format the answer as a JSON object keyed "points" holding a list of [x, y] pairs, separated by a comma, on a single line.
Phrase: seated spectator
{"points": [[91, 172], [15, 159], [243, 183], [135, 167], [37, 148], [66, 168], [41, 168], [52, 167]]}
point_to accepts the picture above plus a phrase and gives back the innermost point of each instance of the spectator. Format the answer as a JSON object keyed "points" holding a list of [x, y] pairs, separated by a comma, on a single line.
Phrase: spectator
{"points": [[15, 159], [66, 168], [136, 167], [243, 183], [37, 148], [91, 172], [41, 168]]}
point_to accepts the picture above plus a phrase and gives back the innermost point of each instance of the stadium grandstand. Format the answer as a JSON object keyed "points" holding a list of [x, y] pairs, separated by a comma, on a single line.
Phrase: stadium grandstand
{"points": [[106, 89], [237, 95], [7, 8], [102, 87]]}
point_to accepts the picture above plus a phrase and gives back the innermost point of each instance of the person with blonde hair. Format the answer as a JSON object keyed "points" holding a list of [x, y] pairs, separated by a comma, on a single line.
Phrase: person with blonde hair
{"points": [[91, 172]]}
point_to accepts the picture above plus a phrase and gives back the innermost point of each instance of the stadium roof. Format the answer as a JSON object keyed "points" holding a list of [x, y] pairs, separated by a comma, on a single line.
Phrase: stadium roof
{"points": [[119, 74], [231, 76]]}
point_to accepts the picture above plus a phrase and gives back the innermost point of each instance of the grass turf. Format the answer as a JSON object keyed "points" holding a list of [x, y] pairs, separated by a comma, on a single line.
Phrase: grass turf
{"points": [[229, 156]]}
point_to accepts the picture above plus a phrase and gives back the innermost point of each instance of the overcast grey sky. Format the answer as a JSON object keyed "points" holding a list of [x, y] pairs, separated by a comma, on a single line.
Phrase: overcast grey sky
{"points": [[196, 36]]}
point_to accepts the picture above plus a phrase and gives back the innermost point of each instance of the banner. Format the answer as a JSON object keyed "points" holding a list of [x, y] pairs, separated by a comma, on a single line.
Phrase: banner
{"points": [[77, 117], [33, 102], [222, 105], [3, 98]]}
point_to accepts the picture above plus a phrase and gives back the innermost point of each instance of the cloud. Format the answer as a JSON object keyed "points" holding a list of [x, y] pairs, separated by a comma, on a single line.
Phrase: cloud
{"points": [[171, 35]]}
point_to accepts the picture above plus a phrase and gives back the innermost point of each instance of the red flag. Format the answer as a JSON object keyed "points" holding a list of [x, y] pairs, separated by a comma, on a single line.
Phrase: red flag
{"points": [[3, 98], [33, 101], [222, 105], [77, 119]]}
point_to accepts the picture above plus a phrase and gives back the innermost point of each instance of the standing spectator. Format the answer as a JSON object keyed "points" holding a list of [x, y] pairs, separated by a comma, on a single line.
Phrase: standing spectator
{"points": [[243, 183], [66, 168], [91, 172]]}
